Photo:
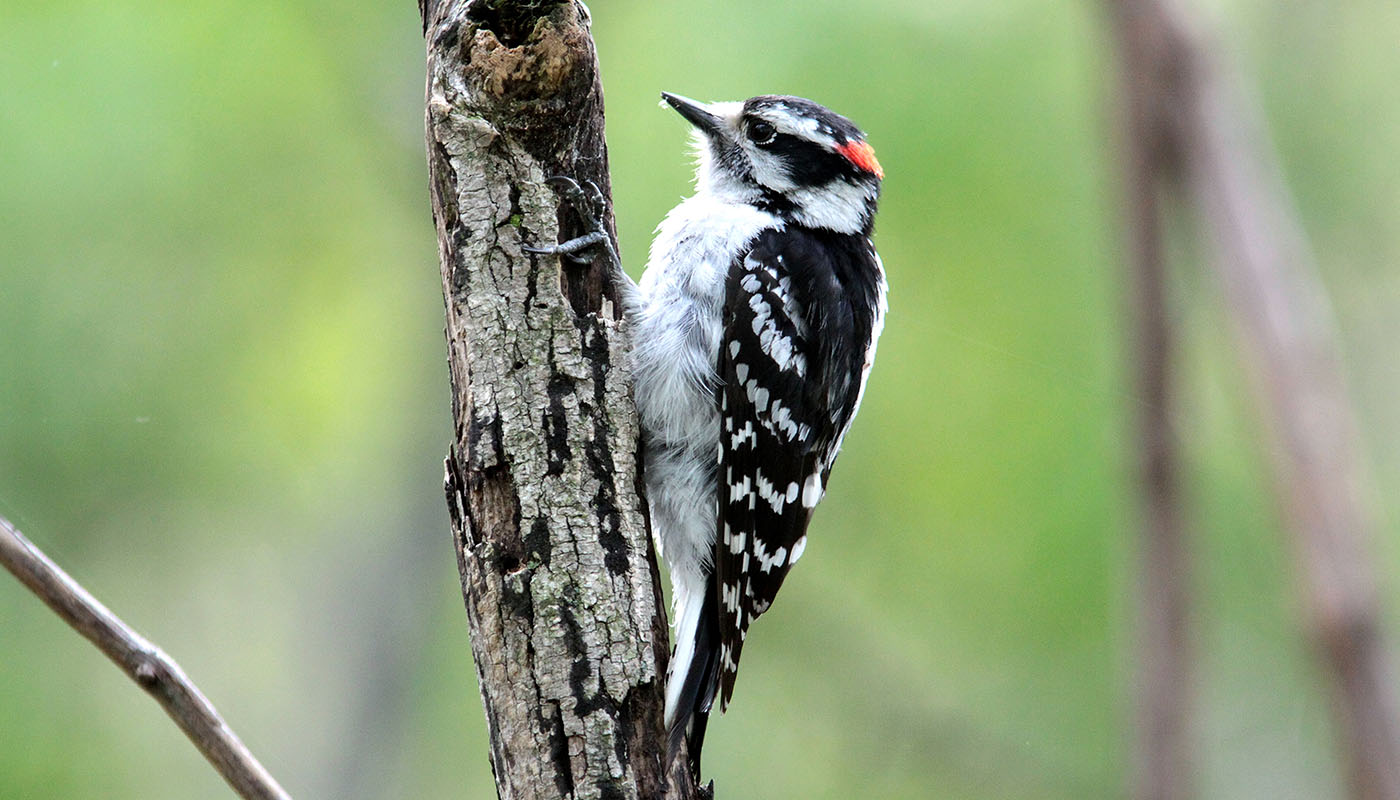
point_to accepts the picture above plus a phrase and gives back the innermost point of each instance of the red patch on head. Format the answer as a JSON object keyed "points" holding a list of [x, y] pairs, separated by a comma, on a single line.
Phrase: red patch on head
{"points": [[863, 156]]}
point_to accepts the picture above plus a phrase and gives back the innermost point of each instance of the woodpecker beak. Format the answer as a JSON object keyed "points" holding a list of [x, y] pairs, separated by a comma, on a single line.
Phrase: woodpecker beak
{"points": [[695, 113]]}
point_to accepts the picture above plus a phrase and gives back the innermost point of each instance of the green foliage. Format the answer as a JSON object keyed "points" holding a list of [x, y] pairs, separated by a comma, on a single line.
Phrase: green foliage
{"points": [[223, 403]]}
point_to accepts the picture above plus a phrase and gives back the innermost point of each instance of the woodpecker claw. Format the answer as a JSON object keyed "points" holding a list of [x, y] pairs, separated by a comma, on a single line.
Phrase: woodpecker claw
{"points": [[591, 206], [596, 244], [590, 203], [595, 196], [565, 184]]}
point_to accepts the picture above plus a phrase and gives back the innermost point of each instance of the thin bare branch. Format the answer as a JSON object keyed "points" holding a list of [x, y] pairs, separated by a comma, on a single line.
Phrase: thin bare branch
{"points": [[1285, 323], [1162, 769], [1222, 162], [143, 662]]}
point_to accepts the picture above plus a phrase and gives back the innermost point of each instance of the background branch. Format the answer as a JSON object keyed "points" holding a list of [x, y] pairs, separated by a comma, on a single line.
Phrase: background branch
{"points": [[143, 662], [1161, 755], [1220, 158]]}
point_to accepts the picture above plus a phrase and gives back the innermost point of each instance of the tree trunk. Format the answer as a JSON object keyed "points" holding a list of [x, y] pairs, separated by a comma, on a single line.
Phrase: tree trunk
{"points": [[547, 508]]}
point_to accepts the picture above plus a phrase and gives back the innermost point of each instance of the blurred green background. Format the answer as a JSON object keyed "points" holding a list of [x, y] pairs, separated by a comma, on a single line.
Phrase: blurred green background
{"points": [[223, 396]]}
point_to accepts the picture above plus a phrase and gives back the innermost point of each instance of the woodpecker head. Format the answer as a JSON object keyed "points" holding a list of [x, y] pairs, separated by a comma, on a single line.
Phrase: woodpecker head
{"points": [[801, 161]]}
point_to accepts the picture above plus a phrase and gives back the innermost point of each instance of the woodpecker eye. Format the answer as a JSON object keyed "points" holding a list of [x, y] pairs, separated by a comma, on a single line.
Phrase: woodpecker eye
{"points": [[761, 132]]}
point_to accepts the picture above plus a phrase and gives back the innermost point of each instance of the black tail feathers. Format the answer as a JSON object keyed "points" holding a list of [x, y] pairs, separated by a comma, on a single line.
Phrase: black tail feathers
{"points": [[701, 684]]}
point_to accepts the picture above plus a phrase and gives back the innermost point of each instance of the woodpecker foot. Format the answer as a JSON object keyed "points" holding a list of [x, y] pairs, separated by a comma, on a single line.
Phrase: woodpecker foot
{"points": [[591, 206], [575, 250]]}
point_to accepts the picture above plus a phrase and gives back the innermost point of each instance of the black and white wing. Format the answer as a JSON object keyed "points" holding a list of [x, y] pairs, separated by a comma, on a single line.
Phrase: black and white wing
{"points": [[802, 311]]}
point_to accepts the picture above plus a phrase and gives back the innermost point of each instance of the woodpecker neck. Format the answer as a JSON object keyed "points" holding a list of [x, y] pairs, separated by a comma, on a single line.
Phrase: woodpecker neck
{"points": [[840, 205]]}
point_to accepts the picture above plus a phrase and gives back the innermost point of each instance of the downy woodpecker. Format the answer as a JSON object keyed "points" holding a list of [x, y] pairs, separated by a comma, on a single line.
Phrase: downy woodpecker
{"points": [[755, 326]]}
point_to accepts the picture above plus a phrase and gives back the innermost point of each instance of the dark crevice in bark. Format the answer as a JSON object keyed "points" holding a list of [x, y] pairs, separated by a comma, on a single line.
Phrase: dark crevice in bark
{"points": [[559, 752]]}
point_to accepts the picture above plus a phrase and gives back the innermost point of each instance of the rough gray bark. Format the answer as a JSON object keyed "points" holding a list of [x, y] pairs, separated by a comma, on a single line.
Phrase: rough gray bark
{"points": [[1215, 151], [562, 591]]}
